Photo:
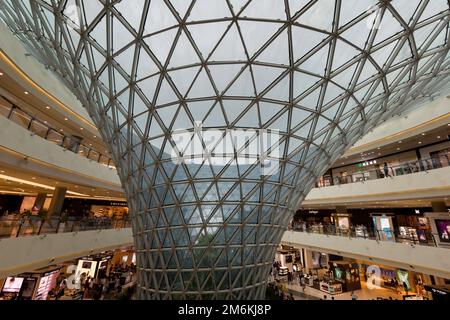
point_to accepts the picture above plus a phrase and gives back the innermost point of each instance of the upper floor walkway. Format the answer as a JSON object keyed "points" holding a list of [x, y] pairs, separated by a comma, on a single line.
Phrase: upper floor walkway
{"points": [[32, 243], [29, 146], [420, 183]]}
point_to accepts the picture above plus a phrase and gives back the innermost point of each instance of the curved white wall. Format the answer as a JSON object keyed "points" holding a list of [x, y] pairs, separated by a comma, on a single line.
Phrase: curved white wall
{"points": [[15, 51], [57, 161], [26, 254], [420, 185]]}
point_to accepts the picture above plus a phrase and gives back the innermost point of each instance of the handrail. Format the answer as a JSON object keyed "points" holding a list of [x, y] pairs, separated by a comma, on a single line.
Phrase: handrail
{"points": [[14, 227], [365, 232], [47, 132], [407, 167]]}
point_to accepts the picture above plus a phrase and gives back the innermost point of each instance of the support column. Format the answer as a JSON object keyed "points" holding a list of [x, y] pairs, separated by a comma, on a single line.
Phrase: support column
{"points": [[439, 206], [39, 202], [57, 202]]}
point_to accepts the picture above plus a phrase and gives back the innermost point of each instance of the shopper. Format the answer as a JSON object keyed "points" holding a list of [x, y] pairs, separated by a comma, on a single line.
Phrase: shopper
{"points": [[386, 170], [61, 289], [303, 284], [405, 286], [87, 287]]}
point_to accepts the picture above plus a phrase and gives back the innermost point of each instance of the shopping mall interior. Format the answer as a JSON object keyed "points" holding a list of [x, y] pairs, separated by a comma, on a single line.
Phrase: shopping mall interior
{"points": [[241, 150]]}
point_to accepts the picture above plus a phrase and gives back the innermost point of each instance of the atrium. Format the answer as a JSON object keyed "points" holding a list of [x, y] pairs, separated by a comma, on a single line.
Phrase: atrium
{"points": [[224, 150]]}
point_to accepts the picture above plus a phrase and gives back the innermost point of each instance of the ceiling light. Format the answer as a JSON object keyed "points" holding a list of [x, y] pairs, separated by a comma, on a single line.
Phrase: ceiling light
{"points": [[438, 137], [33, 178], [47, 107], [66, 119], [26, 92], [420, 142], [400, 141], [423, 134], [81, 129], [61, 130], [95, 137], [398, 149], [1, 74]]}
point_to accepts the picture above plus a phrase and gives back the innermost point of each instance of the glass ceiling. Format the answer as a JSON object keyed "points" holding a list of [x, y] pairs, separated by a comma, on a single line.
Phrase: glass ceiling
{"points": [[314, 74]]}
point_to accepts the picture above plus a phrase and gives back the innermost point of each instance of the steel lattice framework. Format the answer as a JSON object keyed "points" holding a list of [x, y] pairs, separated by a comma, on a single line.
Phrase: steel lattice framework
{"points": [[321, 72]]}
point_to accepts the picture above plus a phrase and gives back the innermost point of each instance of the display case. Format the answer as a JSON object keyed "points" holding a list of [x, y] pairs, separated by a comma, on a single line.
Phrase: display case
{"points": [[331, 288]]}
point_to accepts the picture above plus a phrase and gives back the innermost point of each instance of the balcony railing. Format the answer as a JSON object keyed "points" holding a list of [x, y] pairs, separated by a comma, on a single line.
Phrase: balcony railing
{"points": [[427, 238], [43, 130], [405, 168], [13, 227]]}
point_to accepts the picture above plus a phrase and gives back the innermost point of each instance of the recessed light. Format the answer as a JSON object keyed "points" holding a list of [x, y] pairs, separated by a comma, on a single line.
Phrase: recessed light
{"points": [[398, 149], [45, 122], [26, 92], [423, 134], [66, 119], [61, 130], [47, 107], [81, 129], [400, 141], [1, 74], [33, 178], [420, 142], [438, 137], [95, 137]]}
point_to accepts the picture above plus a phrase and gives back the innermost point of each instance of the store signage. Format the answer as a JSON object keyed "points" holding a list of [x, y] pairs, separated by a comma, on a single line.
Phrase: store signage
{"points": [[118, 204], [50, 273], [438, 291]]}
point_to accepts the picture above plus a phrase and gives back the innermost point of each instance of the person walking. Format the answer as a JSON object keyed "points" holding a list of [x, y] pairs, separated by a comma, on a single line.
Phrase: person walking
{"points": [[303, 284], [386, 170]]}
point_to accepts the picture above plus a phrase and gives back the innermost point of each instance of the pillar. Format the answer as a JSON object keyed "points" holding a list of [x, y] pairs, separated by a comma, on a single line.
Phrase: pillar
{"points": [[40, 200], [57, 202], [439, 206]]}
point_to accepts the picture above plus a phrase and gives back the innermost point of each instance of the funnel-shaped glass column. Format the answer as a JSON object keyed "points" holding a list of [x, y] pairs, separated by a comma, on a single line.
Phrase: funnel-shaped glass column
{"points": [[221, 115]]}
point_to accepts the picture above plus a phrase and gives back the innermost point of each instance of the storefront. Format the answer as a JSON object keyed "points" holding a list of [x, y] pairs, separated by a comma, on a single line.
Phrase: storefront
{"points": [[95, 267], [413, 229], [439, 293], [98, 208], [440, 226], [31, 286], [384, 225], [346, 274]]}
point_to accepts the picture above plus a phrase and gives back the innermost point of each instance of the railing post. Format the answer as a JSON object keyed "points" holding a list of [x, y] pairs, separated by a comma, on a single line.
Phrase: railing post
{"points": [[40, 227], [19, 228]]}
